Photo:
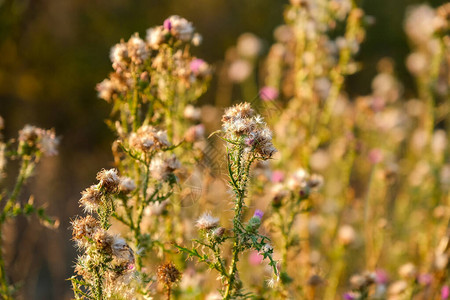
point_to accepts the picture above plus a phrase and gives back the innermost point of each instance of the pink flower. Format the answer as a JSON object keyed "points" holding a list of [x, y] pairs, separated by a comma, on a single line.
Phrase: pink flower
{"points": [[381, 277], [375, 156], [445, 292], [268, 93], [277, 176], [255, 258]]}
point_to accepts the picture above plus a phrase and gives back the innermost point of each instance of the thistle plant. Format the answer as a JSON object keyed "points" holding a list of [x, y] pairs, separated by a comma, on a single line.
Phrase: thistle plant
{"points": [[248, 139], [28, 148], [152, 90]]}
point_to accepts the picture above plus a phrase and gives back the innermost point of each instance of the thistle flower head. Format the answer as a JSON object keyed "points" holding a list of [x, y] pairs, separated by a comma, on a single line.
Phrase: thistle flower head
{"points": [[168, 274], [148, 139], [240, 124], [121, 251], [137, 49], [32, 137], [207, 222], [127, 185], [161, 168], [84, 227], [91, 198], [103, 240], [155, 36], [109, 180], [179, 27]]}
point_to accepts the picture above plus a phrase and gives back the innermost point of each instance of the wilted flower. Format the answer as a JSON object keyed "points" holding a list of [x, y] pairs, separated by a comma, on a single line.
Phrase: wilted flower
{"points": [[155, 36], [84, 227], [206, 222], [161, 167], [168, 274], [109, 180], [127, 185], [148, 139], [91, 198]]}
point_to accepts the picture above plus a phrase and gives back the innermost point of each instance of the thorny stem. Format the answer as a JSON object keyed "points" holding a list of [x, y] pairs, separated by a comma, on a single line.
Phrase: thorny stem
{"points": [[98, 284], [239, 190]]}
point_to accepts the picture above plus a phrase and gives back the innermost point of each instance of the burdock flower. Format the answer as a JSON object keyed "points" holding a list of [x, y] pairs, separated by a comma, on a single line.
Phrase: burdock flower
{"points": [[109, 180], [207, 222], [91, 198]]}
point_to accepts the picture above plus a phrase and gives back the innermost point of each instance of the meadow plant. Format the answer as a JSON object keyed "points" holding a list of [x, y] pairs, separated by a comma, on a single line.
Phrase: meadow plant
{"points": [[32, 143], [353, 176], [153, 87], [381, 159], [248, 139]]}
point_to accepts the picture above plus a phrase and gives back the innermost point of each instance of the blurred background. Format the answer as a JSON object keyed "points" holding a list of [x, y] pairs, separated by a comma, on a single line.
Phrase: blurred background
{"points": [[53, 53]]}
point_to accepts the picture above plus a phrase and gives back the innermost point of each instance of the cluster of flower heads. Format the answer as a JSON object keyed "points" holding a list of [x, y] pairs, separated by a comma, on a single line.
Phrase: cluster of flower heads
{"points": [[32, 138], [134, 60], [109, 183], [148, 139], [300, 183], [422, 25], [378, 285], [241, 125], [105, 254]]}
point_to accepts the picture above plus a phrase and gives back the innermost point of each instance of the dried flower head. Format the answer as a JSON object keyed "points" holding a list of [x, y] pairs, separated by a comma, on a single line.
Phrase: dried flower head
{"points": [[122, 252], [91, 198], [109, 180], [84, 227], [32, 137], [103, 240], [127, 185], [207, 222], [148, 139], [161, 168], [156, 36], [168, 274], [137, 49]]}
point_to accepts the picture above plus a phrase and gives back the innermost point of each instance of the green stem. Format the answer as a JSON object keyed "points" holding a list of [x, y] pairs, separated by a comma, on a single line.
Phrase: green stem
{"points": [[21, 178]]}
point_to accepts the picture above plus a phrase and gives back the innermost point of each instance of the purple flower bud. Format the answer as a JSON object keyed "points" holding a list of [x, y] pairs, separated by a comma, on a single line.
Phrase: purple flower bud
{"points": [[167, 24], [259, 214], [268, 93], [445, 292]]}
